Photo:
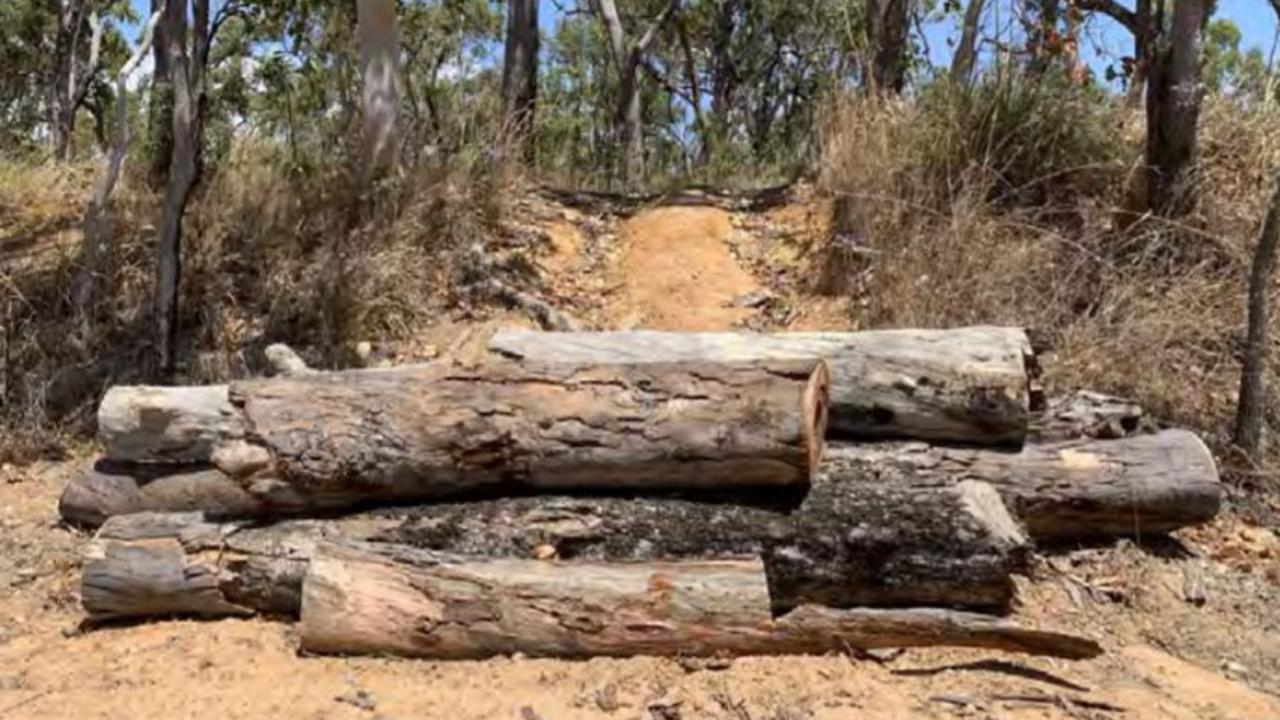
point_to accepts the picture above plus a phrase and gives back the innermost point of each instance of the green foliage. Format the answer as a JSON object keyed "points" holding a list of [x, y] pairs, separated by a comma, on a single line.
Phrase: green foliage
{"points": [[1012, 137]]}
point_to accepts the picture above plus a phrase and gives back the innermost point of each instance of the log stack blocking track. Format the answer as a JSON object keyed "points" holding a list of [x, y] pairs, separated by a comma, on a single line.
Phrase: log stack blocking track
{"points": [[627, 493]]}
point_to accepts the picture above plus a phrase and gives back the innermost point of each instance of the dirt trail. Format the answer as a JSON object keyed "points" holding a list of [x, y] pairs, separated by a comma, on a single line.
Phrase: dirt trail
{"points": [[671, 268], [676, 272]]}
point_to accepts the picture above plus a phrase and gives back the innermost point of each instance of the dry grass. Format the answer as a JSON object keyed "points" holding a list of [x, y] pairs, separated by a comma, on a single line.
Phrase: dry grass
{"points": [[1160, 326], [269, 256]]}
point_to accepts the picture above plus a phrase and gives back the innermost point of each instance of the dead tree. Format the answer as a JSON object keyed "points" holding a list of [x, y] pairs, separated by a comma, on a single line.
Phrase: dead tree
{"points": [[1253, 395]]}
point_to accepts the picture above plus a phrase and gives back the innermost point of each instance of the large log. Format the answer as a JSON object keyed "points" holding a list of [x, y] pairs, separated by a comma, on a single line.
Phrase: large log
{"points": [[844, 544], [971, 385], [1064, 490], [375, 599], [1060, 490], [334, 440]]}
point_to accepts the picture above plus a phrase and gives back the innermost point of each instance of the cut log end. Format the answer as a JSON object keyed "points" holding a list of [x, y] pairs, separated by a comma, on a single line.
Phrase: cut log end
{"points": [[815, 405]]}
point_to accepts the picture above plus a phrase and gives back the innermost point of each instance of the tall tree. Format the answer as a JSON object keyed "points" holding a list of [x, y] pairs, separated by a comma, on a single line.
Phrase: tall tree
{"points": [[73, 69], [888, 32], [520, 69], [966, 55], [380, 67], [1173, 109], [1173, 95], [95, 230], [1253, 399], [187, 43], [627, 58]]}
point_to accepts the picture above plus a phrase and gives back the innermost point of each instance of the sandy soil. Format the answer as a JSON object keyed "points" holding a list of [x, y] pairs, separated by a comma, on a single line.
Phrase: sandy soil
{"points": [[688, 268]]}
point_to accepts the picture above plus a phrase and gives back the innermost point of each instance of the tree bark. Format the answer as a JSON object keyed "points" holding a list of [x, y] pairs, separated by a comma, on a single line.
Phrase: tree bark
{"points": [[889, 25], [966, 55], [331, 440], [369, 599], [1173, 111], [520, 71], [843, 544], [972, 385], [187, 59], [380, 58], [1252, 405]]}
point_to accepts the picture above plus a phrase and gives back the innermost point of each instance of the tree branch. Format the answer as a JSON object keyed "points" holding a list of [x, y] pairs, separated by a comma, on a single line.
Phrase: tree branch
{"points": [[651, 34], [1118, 12]]}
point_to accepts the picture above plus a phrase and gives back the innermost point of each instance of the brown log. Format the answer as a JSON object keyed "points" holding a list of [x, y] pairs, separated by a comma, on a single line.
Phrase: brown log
{"points": [[376, 599], [1062, 490], [844, 544], [335, 440], [972, 385]]}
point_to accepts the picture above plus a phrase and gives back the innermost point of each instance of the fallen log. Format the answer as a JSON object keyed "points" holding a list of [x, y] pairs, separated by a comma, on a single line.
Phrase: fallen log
{"points": [[971, 385], [1063, 490], [844, 544], [364, 598], [333, 440]]}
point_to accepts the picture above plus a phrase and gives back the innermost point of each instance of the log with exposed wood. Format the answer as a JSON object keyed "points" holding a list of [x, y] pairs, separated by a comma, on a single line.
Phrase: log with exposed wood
{"points": [[365, 598], [1063, 490], [334, 440], [1060, 490], [972, 385], [843, 544]]}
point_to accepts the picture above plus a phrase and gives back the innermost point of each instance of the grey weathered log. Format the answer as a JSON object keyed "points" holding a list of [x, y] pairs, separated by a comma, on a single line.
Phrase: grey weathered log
{"points": [[365, 598], [1066, 489], [108, 489], [166, 424], [970, 385], [844, 544]]}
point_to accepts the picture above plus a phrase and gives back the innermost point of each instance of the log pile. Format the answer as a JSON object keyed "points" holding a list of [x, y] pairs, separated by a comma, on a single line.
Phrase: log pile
{"points": [[613, 494]]}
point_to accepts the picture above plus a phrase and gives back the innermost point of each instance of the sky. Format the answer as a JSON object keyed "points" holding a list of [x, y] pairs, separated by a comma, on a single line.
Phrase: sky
{"points": [[1103, 40]]}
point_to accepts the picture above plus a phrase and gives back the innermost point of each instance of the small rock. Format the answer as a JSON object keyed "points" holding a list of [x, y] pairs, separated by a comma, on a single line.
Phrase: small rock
{"points": [[545, 552], [360, 699], [528, 713], [606, 697], [1235, 670]]}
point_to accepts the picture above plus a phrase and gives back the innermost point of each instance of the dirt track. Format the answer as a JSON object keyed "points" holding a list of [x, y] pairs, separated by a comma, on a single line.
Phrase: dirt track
{"points": [[673, 268]]}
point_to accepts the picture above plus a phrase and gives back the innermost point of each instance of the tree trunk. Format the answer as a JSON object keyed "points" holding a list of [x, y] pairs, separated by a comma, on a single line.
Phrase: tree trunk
{"points": [[380, 59], [71, 79], [950, 546], [972, 385], [370, 599], [1253, 392], [84, 284], [889, 29], [1144, 32], [160, 100], [966, 55], [1173, 111], [1061, 490], [520, 71], [186, 57]]}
